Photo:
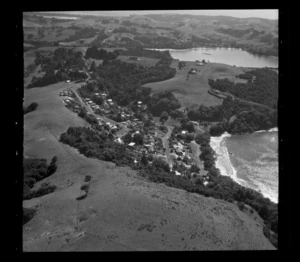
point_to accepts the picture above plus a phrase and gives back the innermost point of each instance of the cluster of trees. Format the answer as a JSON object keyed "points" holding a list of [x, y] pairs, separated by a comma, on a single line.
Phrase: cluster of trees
{"points": [[122, 29], [28, 214], [164, 116], [52, 77], [127, 42], [238, 33], [64, 64], [262, 89], [207, 154], [127, 23], [33, 106], [158, 41], [86, 32], [137, 138], [181, 65], [262, 50], [163, 102], [197, 41], [97, 143], [235, 117], [34, 171], [185, 124], [87, 117], [203, 113], [123, 81], [139, 51], [252, 120], [93, 52]]}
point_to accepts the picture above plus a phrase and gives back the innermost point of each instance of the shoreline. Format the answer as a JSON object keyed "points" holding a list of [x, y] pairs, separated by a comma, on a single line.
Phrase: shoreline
{"points": [[224, 164], [212, 47], [274, 129]]}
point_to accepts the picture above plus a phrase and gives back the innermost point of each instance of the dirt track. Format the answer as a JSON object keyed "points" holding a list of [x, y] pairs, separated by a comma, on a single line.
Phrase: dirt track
{"points": [[122, 211]]}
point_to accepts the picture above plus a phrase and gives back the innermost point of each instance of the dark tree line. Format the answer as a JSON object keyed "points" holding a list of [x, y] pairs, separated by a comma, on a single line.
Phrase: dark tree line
{"points": [[64, 64], [34, 171], [33, 106], [93, 52], [96, 143], [122, 29], [238, 33], [235, 117], [123, 83], [86, 32], [139, 51], [163, 102], [262, 87]]}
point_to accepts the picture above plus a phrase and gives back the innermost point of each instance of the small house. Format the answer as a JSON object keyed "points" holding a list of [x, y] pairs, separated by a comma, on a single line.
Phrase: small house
{"points": [[119, 140], [177, 173], [131, 144]]}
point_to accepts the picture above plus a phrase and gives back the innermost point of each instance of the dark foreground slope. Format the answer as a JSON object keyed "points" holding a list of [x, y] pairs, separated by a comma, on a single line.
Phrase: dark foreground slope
{"points": [[121, 211]]}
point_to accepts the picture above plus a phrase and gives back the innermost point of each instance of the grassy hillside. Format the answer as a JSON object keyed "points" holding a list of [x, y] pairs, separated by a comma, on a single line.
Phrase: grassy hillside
{"points": [[193, 92], [256, 35]]}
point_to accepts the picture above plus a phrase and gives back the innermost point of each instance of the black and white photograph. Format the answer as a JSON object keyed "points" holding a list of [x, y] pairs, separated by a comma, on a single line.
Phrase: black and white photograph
{"points": [[150, 130]]}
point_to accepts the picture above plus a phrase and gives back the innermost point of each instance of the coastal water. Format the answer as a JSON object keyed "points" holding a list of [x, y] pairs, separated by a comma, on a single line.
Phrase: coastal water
{"points": [[230, 56], [250, 159]]}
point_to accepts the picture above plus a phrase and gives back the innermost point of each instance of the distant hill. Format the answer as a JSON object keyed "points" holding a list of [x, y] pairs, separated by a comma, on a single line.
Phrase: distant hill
{"points": [[256, 35]]}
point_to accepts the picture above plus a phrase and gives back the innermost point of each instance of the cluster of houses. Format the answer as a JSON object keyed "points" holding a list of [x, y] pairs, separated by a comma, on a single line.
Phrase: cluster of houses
{"points": [[69, 100], [111, 126], [152, 144], [92, 104], [180, 151], [109, 106]]}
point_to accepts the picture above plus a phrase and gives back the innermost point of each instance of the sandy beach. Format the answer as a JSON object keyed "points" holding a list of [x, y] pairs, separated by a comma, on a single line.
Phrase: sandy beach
{"points": [[226, 168], [223, 160]]}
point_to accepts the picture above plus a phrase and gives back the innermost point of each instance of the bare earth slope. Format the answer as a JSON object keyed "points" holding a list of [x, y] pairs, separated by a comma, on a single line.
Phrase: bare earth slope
{"points": [[122, 211]]}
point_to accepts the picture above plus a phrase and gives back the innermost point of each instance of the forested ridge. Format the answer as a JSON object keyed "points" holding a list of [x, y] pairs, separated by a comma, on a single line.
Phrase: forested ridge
{"points": [[261, 87]]}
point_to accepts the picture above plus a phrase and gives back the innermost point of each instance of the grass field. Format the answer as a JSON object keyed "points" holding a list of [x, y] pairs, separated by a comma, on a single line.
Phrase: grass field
{"points": [[191, 91]]}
